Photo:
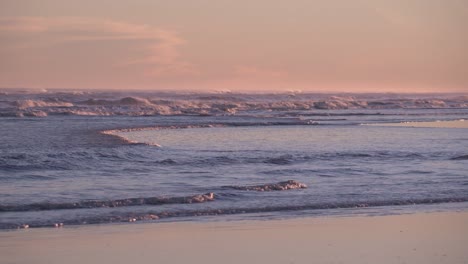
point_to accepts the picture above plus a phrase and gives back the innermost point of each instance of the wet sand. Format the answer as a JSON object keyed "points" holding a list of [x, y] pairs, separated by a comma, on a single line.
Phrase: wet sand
{"points": [[417, 238]]}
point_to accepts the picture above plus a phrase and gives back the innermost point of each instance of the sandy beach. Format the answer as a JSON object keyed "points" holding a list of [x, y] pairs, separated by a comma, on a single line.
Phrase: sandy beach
{"points": [[417, 238]]}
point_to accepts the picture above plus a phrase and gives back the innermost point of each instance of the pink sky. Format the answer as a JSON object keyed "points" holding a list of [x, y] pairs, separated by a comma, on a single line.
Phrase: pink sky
{"points": [[257, 45]]}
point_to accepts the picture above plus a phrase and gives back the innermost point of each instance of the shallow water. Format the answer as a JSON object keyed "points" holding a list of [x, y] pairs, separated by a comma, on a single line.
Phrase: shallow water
{"points": [[76, 169]]}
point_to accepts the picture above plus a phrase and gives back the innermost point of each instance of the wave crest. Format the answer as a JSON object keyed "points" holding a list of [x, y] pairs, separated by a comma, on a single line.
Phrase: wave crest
{"points": [[199, 198], [155, 215], [280, 186], [24, 104], [141, 104]]}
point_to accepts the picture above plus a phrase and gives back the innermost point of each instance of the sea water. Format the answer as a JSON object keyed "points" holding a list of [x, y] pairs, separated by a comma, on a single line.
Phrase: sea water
{"points": [[77, 158]]}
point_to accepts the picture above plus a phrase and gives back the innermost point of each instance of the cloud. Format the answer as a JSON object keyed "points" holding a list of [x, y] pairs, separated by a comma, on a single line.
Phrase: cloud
{"points": [[156, 49]]}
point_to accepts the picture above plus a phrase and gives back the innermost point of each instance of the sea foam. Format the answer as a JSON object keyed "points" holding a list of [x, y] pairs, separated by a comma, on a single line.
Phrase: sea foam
{"points": [[144, 104]]}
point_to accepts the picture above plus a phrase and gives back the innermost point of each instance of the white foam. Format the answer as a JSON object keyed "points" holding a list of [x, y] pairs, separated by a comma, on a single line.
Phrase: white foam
{"points": [[105, 104], [23, 104]]}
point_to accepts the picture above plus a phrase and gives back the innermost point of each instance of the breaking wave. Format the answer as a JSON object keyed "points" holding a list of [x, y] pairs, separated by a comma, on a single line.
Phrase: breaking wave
{"points": [[144, 104], [117, 217], [200, 198], [24, 104], [280, 186]]}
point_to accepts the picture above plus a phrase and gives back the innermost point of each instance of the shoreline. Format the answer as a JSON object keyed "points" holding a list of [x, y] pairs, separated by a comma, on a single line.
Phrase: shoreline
{"points": [[410, 238]]}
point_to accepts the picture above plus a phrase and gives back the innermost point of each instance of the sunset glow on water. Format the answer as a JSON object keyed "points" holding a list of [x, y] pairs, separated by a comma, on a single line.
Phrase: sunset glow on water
{"points": [[145, 110], [106, 157]]}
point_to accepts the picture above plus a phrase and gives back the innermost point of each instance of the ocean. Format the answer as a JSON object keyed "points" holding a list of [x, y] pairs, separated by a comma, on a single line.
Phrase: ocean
{"points": [[101, 157]]}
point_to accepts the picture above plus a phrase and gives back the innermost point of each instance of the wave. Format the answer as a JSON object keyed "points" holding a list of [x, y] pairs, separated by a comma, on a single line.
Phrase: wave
{"points": [[464, 157], [23, 104], [124, 101], [199, 198], [115, 133], [144, 104], [156, 215], [276, 163], [280, 186], [282, 160]]}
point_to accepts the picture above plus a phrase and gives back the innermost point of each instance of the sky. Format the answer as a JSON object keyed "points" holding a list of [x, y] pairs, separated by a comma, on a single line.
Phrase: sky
{"points": [[239, 46]]}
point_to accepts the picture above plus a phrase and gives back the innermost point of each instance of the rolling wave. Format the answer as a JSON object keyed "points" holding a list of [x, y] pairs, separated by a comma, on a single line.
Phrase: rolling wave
{"points": [[199, 198], [280, 186], [156, 215], [85, 159], [144, 104]]}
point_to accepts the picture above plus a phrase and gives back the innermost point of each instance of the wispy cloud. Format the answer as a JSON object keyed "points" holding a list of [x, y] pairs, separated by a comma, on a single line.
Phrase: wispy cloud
{"points": [[160, 47]]}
